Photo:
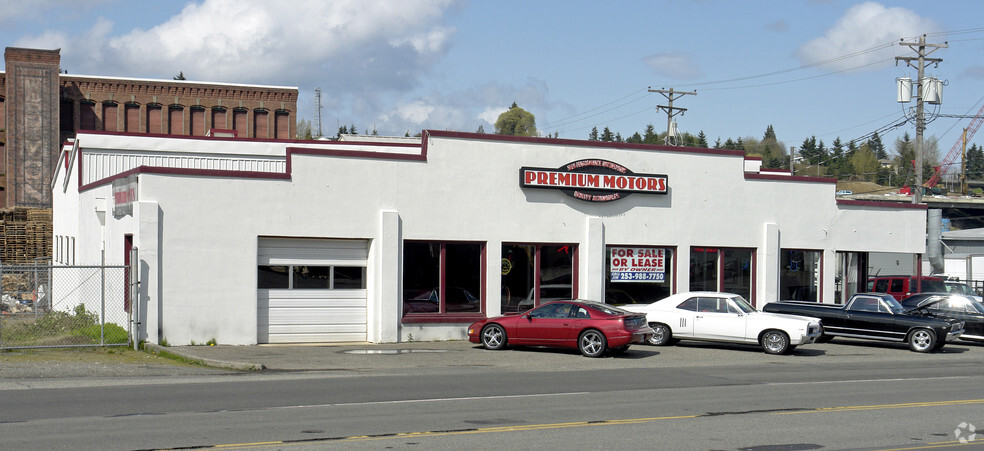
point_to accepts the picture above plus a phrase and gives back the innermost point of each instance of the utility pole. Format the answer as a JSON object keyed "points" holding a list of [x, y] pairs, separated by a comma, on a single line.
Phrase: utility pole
{"points": [[671, 111], [922, 50]]}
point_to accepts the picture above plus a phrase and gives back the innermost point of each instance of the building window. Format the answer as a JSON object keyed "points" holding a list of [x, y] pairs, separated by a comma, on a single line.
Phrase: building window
{"points": [[87, 113], [260, 124], [219, 118], [638, 274], [175, 120], [731, 270], [310, 277], [155, 121], [132, 118], [800, 275], [110, 115], [239, 124], [197, 121], [536, 273], [442, 278], [282, 124], [66, 115]]}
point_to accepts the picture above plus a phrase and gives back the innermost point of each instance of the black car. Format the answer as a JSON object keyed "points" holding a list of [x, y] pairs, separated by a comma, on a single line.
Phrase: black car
{"points": [[877, 316], [954, 306]]}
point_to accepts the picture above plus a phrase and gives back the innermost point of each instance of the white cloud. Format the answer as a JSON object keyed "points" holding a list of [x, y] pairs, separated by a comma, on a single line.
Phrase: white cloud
{"points": [[673, 65], [864, 26], [491, 114], [293, 43]]}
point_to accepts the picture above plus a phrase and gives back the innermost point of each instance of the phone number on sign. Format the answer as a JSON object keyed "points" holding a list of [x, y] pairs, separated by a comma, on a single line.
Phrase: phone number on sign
{"points": [[637, 276]]}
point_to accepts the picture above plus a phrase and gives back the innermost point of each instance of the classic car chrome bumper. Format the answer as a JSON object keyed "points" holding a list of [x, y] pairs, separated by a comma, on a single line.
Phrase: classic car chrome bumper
{"points": [[953, 335]]}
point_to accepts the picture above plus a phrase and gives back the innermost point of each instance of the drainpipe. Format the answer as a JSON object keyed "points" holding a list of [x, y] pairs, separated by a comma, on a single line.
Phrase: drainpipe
{"points": [[934, 242]]}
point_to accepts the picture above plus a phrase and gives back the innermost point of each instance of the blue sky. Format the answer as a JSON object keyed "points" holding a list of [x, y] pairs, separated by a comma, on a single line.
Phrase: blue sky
{"points": [[808, 68]]}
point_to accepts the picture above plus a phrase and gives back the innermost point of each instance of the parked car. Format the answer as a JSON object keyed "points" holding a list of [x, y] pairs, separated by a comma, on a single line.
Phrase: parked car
{"points": [[725, 317], [961, 288], [902, 287], [590, 327], [844, 192], [548, 292], [877, 316], [953, 306]]}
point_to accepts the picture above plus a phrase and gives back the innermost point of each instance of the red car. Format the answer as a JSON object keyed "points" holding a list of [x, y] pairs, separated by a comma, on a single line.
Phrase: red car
{"points": [[590, 327]]}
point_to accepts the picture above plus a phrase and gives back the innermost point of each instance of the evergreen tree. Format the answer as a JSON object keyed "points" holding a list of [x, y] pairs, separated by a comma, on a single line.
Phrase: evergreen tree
{"points": [[593, 136], [618, 137], [481, 129], [606, 135], [975, 163], [636, 138], [717, 143], [769, 133], [650, 136], [876, 146], [702, 140]]}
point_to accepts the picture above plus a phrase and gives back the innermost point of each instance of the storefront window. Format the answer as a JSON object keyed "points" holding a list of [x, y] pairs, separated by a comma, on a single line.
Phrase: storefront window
{"points": [[800, 275], [703, 269], [638, 274], [536, 273], [731, 270], [440, 277], [736, 272]]}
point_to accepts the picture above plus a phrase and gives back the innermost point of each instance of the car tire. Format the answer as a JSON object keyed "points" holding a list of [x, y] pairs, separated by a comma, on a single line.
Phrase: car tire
{"points": [[493, 337], [921, 340], [662, 336], [775, 342], [592, 343]]}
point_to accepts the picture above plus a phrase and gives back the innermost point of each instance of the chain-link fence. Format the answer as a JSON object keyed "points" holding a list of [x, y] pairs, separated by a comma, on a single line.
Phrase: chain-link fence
{"points": [[64, 306]]}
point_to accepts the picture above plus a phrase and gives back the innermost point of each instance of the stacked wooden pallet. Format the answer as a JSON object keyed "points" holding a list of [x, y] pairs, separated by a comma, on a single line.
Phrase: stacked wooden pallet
{"points": [[25, 235]]}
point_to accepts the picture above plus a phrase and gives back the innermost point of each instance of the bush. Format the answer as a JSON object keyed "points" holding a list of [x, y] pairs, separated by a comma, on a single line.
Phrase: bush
{"points": [[112, 333]]}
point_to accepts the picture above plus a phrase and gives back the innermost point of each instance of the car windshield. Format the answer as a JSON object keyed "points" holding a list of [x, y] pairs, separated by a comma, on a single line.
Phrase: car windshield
{"points": [[893, 304], [928, 285], [743, 304], [959, 288]]}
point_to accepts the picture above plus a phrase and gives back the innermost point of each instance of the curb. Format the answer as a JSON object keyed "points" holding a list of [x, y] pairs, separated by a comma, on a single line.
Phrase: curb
{"points": [[214, 363]]}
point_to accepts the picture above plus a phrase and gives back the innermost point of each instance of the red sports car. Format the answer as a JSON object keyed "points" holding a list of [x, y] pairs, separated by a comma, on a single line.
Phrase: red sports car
{"points": [[590, 327]]}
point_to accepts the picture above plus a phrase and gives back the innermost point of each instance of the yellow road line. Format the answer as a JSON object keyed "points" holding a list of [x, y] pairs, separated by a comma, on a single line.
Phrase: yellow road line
{"points": [[886, 406]]}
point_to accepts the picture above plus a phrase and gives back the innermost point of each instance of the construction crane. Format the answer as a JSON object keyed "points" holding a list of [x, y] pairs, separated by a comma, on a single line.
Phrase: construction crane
{"points": [[955, 150]]}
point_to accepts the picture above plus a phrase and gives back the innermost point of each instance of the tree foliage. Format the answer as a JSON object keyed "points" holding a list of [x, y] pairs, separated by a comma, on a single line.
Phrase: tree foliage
{"points": [[516, 122]]}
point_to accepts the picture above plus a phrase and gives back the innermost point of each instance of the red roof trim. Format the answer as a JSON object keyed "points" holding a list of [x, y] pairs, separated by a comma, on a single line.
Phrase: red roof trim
{"points": [[880, 204], [753, 157], [790, 178], [784, 171], [581, 143]]}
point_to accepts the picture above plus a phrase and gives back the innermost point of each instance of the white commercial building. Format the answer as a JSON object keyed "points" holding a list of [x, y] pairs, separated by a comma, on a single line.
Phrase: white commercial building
{"points": [[259, 241]]}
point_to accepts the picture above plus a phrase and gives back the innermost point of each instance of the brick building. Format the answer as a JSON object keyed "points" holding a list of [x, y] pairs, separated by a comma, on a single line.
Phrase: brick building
{"points": [[40, 108]]}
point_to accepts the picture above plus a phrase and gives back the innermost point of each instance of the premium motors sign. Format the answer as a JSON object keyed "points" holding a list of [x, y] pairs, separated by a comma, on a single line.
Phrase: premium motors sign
{"points": [[593, 180]]}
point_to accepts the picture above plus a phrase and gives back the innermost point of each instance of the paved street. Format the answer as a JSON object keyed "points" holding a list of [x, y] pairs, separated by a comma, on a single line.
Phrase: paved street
{"points": [[452, 395]]}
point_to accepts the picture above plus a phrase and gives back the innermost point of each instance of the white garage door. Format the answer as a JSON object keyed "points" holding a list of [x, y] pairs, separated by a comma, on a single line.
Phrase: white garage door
{"points": [[311, 290]]}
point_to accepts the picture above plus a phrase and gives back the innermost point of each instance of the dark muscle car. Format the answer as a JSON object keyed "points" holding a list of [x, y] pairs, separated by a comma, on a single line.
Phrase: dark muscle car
{"points": [[953, 306], [877, 316]]}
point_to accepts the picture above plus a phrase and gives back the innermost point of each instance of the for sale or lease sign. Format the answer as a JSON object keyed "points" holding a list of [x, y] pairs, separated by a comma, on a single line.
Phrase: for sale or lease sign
{"points": [[637, 264]]}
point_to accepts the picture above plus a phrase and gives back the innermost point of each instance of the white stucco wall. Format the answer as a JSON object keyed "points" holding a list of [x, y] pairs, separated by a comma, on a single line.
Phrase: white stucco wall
{"points": [[200, 231]]}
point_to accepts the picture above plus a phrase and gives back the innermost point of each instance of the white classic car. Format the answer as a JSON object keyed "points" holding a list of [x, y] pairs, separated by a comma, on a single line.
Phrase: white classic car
{"points": [[725, 317]]}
